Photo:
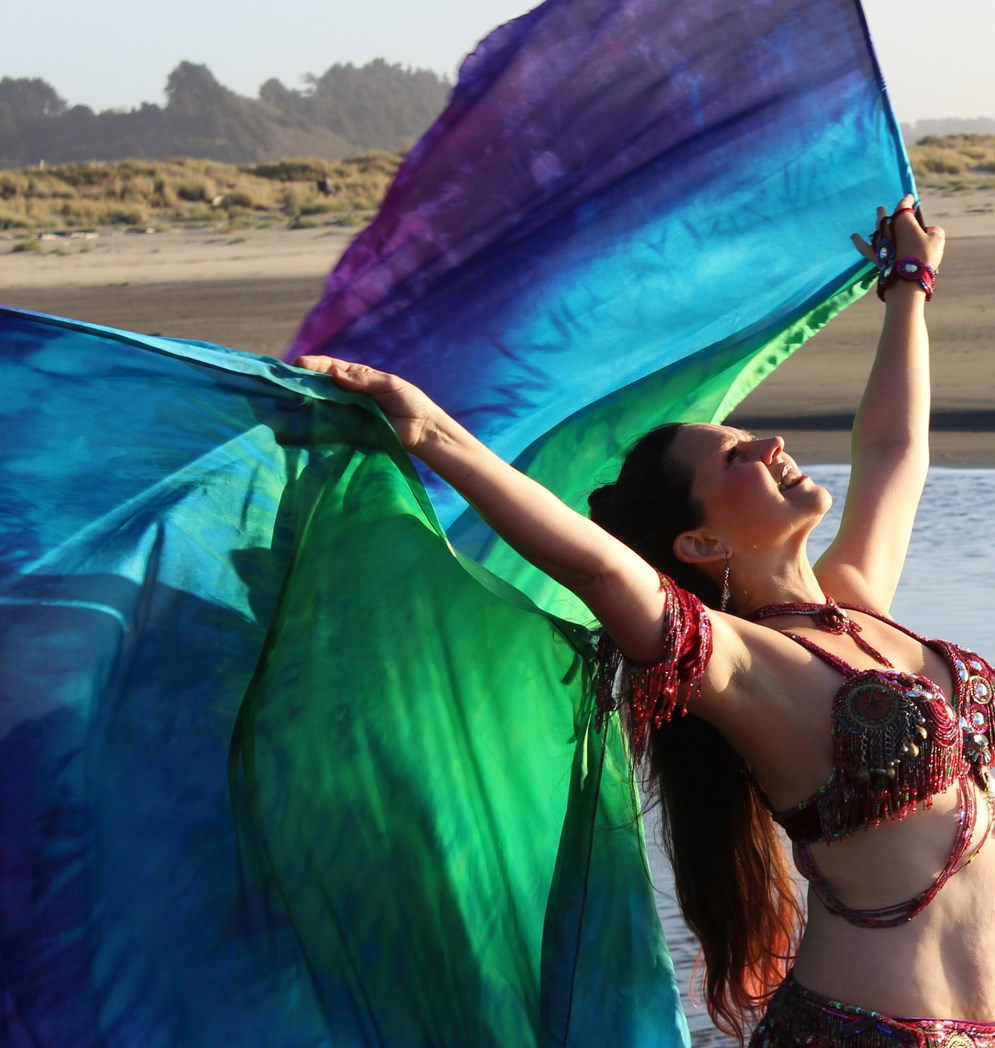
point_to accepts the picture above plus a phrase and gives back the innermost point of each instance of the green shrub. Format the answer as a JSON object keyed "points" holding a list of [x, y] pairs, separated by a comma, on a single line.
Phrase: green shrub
{"points": [[301, 170], [193, 192], [238, 199], [317, 207], [127, 216]]}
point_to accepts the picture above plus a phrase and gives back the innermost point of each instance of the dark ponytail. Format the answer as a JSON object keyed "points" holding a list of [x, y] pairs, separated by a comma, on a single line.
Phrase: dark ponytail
{"points": [[650, 504], [732, 879]]}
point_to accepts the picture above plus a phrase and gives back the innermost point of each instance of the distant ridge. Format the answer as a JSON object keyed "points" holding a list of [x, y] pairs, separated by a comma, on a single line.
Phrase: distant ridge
{"points": [[919, 129], [345, 111]]}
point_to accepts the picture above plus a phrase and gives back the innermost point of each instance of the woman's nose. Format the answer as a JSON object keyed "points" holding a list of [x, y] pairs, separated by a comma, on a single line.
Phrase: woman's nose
{"points": [[768, 448]]}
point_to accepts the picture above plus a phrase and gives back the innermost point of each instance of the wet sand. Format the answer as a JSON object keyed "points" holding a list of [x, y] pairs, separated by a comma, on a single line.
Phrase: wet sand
{"points": [[244, 289], [249, 289], [811, 398]]}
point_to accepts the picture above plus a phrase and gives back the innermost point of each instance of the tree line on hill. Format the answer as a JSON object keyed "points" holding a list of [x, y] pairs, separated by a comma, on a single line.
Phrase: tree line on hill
{"points": [[347, 110], [947, 126]]}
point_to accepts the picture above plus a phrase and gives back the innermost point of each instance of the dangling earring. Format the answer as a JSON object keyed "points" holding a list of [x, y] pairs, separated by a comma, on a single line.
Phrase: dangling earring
{"points": [[726, 591]]}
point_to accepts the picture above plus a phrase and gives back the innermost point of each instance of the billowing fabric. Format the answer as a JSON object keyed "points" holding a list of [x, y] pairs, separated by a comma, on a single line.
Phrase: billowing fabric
{"points": [[630, 212], [276, 766]]}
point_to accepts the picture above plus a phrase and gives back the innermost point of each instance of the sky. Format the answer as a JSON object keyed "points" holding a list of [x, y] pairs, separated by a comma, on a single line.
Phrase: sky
{"points": [[936, 56]]}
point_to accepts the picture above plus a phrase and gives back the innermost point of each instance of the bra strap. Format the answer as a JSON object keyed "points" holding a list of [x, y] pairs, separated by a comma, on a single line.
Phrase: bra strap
{"points": [[887, 620], [832, 618], [835, 661]]}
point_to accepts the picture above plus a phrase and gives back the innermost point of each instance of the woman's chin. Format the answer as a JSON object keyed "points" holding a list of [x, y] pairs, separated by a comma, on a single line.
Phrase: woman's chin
{"points": [[825, 499]]}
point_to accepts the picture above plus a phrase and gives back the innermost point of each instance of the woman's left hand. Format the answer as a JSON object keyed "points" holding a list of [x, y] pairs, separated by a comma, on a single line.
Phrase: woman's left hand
{"points": [[908, 236]]}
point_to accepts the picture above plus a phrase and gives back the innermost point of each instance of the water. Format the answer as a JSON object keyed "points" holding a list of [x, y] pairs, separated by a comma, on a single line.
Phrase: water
{"points": [[950, 569], [948, 576]]}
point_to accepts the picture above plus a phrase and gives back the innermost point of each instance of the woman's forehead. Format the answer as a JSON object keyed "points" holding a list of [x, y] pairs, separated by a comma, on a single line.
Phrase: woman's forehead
{"points": [[700, 437]]}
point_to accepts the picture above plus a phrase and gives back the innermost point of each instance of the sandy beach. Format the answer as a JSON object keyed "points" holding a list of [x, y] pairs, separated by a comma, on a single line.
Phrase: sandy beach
{"points": [[249, 288]]}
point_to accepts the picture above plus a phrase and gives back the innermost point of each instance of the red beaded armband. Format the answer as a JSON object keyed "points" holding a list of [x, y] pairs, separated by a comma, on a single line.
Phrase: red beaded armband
{"points": [[648, 695]]}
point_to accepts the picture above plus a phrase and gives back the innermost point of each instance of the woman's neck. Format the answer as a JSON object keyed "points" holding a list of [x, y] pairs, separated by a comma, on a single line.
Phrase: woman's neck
{"points": [[772, 580]]}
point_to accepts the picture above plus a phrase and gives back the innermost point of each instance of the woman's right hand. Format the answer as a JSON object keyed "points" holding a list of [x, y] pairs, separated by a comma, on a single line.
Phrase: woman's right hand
{"points": [[408, 409]]}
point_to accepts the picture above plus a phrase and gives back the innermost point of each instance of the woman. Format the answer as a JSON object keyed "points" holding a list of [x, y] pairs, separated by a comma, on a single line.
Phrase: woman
{"points": [[830, 718]]}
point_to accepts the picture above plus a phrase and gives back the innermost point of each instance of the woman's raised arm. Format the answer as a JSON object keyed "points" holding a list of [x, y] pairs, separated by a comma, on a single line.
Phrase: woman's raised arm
{"points": [[619, 587], [890, 445]]}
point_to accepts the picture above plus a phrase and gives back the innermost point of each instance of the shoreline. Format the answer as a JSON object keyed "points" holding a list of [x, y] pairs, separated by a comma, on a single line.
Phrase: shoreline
{"points": [[249, 289]]}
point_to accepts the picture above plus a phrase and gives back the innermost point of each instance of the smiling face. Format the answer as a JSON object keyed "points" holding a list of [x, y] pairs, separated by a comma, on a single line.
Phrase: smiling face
{"points": [[753, 494]]}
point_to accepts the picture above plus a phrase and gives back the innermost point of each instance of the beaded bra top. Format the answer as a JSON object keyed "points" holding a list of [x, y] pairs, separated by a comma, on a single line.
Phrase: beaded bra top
{"points": [[897, 743]]}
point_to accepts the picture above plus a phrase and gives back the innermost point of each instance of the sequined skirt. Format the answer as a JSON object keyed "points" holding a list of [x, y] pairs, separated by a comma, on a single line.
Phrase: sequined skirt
{"points": [[796, 1016]]}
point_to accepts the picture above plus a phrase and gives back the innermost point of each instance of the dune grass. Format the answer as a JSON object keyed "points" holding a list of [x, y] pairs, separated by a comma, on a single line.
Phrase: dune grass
{"points": [[954, 162], [156, 194], [303, 192]]}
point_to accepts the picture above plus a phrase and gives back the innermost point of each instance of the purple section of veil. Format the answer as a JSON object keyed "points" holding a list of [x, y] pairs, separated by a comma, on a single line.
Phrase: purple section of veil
{"points": [[555, 109]]}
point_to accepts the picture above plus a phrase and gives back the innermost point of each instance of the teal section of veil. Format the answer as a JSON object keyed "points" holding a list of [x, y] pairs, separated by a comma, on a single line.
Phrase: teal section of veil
{"points": [[277, 767]]}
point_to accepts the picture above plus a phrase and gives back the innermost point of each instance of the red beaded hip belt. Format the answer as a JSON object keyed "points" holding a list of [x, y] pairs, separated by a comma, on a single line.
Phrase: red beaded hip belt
{"points": [[797, 1016]]}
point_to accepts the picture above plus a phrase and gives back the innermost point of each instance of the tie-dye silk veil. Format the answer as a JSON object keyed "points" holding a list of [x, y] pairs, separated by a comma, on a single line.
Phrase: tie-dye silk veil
{"points": [[276, 767], [631, 212]]}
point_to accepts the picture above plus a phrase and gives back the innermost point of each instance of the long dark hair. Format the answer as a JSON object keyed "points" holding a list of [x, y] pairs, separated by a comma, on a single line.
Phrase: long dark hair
{"points": [[730, 871]]}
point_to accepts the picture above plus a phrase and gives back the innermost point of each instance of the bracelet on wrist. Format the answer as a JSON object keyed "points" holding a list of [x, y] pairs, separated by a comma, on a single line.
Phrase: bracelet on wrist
{"points": [[916, 271], [884, 255], [910, 268]]}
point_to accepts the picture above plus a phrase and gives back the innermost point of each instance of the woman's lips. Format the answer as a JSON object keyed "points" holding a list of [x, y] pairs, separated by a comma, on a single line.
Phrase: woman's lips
{"points": [[790, 480]]}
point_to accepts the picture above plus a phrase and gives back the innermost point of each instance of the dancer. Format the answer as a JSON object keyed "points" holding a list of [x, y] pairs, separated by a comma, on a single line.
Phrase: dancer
{"points": [[807, 702]]}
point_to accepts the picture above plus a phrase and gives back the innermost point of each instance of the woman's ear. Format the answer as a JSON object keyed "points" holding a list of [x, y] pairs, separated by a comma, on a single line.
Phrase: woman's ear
{"points": [[699, 547]]}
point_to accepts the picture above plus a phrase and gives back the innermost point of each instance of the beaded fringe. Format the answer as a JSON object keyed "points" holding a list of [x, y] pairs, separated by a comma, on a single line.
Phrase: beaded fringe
{"points": [[647, 696], [912, 755]]}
